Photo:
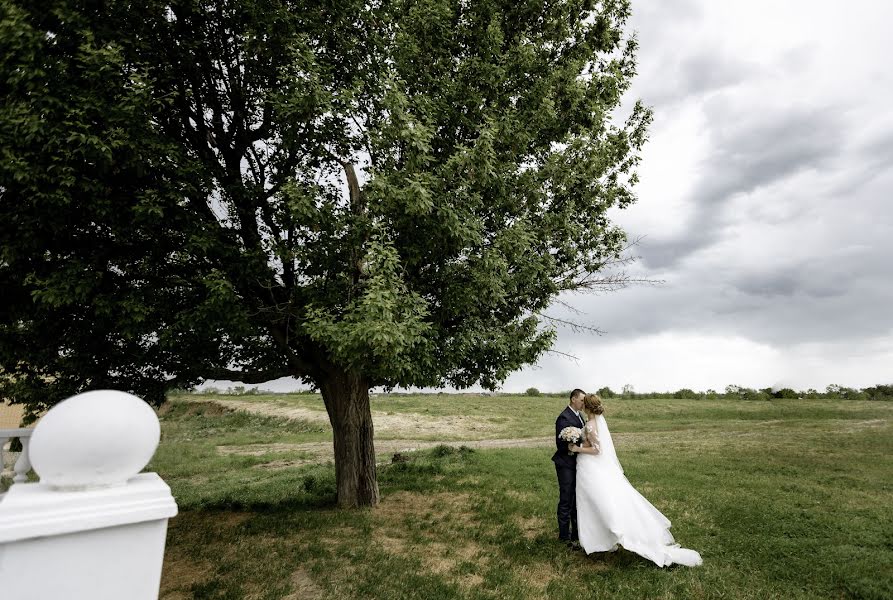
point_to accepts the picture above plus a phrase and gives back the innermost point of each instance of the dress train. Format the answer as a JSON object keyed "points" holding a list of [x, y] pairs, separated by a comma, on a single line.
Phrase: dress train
{"points": [[611, 513]]}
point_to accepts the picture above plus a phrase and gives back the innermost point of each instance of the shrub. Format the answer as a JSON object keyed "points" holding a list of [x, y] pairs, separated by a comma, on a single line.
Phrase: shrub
{"points": [[532, 392], [879, 392], [749, 394], [851, 394]]}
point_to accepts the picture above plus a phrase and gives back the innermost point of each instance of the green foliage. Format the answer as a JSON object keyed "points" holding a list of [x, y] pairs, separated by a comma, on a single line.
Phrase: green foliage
{"points": [[606, 392], [87, 230], [173, 199], [380, 331], [879, 392], [532, 392], [749, 394]]}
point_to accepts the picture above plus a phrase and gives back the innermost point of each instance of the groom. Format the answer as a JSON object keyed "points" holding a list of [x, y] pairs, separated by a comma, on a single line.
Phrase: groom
{"points": [[566, 467]]}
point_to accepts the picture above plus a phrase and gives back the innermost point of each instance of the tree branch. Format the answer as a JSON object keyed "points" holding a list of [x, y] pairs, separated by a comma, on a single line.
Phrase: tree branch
{"points": [[298, 365], [578, 327], [246, 377], [565, 354], [356, 208], [360, 131]]}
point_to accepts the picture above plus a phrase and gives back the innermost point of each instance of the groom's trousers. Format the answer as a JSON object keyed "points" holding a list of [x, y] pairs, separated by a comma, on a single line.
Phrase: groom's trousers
{"points": [[567, 502]]}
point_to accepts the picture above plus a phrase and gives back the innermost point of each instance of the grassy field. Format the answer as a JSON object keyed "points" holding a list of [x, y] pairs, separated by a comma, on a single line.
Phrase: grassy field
{"points": [[784, 499]]}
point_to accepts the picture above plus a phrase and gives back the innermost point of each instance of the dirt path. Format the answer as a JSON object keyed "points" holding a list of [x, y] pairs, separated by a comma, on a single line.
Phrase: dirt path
{"points": [[317, 452], [388, 424]]}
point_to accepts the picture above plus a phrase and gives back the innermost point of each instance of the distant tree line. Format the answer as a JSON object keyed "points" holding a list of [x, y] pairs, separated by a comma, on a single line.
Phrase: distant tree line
{"points": [[732, 392]]}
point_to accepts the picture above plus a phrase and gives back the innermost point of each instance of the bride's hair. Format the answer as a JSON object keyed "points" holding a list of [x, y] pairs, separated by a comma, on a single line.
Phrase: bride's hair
{"points": [[593, 404]]}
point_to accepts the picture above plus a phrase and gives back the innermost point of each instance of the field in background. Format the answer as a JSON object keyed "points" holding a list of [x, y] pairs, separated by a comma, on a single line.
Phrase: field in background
{"points": [[787, 499]]}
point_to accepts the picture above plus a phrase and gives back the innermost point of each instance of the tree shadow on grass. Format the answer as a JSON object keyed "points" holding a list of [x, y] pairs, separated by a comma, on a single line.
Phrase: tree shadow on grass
{"points": [[313, 488], [623, 559]]}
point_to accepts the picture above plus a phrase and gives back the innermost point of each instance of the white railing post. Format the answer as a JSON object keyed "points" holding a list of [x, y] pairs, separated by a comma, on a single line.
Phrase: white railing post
{"points": [[93, 526], [23, 464]]}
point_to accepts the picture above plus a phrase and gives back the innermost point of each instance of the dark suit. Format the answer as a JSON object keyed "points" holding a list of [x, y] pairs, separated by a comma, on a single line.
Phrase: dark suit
{"points": [[566, 469]]}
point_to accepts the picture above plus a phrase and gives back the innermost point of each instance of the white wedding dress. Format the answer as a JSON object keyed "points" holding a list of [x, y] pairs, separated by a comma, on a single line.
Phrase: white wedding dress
{"points": [[611, 513]]}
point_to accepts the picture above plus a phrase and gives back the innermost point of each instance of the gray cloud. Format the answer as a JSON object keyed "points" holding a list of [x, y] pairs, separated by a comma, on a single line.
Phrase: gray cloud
{"points": [[821, 279], [870, 159], [779, 312], [788, 283], [670, 72], [751, 152], [678, 78], [749, 149]]}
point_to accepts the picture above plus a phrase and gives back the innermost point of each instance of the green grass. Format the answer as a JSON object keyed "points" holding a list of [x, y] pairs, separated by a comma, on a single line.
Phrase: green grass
{"points": [[784, 499]]}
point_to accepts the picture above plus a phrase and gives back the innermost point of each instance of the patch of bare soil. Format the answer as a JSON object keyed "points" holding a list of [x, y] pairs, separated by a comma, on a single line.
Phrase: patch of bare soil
{"points": [[395, 508], [303, 587], [284, 464], [537, 576], [275, 410], [180, 574], [469, 582], [389, 532], [423, 425], [530, 527], [259, 449], [390, 535]]}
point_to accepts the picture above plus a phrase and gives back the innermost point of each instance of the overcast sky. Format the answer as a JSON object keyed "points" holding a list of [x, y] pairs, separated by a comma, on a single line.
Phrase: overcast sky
{"points": [[764, 205]]}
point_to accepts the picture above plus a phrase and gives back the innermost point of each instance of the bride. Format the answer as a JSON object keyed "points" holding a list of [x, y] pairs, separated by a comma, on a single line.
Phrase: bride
{"points": [[610, 512]]}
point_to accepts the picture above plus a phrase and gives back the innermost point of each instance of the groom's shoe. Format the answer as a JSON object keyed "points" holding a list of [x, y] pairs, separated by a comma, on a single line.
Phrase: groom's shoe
{"points": [[574, 545]]}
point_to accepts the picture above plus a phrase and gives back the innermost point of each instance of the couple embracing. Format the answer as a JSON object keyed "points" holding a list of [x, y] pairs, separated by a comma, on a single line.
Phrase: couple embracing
{"points": [[598, 508]]}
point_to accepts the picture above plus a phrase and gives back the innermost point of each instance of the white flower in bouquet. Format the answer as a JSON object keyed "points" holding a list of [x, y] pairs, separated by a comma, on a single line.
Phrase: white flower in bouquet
{"points": [[571, 434]]}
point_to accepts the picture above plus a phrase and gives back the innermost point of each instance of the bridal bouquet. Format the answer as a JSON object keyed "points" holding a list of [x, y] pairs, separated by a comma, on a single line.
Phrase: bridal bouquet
{"points": [[571, 434]]}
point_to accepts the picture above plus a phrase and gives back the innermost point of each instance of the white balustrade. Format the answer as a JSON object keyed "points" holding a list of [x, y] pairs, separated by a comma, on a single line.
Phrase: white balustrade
{"points": [[23, 464], [93, 526]]}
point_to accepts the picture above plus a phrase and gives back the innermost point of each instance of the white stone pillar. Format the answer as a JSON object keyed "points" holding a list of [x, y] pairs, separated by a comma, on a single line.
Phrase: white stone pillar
{"points": [[93, 527]]}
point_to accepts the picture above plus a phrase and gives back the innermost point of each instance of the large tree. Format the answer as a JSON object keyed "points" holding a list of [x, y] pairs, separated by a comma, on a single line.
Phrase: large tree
{"points": [[353, 193]]}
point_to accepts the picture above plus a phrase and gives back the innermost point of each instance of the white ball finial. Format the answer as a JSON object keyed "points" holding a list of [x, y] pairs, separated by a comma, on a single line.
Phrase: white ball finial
{"points": [[93, 440]]}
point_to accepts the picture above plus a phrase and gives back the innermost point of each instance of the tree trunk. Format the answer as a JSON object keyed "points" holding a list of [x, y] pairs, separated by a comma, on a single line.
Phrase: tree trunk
{"points": [[346, 396]]}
